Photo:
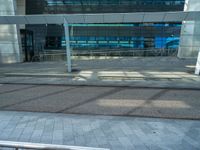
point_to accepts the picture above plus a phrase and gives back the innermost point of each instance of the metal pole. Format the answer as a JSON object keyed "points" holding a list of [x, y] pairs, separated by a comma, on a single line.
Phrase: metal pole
{"points": [[68, 52]]}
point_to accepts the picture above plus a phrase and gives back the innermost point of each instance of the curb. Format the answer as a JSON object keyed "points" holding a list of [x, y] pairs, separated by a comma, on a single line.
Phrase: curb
{"points": [[95, 84]]}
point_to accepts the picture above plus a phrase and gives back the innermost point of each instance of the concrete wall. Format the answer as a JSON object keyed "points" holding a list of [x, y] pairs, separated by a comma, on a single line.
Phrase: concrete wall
{"points": [[190, 33], [10, 43]]}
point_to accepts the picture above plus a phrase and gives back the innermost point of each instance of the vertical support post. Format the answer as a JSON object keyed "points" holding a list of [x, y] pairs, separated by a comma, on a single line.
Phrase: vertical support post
{"points": [[197, 69], [68, 52]]}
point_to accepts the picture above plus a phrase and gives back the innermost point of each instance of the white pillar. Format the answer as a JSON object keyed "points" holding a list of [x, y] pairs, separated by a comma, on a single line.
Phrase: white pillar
{"points": [[197, 70], [10, 47], [190, 30], [68, 52]]}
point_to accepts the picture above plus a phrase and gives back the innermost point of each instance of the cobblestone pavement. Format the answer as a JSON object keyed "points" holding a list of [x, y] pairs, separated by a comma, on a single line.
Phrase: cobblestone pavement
{"points": [[116, 133], [125, 101]]}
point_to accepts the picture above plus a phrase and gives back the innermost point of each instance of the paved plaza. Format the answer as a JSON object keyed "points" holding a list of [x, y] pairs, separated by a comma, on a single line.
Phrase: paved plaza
{"points": [[116, 133], [99, 105], [161, 72]]}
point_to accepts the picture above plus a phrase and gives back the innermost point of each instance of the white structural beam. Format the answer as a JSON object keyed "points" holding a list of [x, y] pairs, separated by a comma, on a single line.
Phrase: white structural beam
{"points": [[115, 18], [94, 18], [53, 19], [175, 17], [68, 51], [133, 17], [103, 18], [153, 17]]}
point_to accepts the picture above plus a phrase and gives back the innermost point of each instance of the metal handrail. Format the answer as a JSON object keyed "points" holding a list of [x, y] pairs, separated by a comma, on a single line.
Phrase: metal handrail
{"points": [[39, 146], [60, 55], [109, 51], [121, 51]]}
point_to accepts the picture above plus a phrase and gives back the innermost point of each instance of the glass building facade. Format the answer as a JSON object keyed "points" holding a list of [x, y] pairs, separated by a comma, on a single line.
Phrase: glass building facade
{"points": [[101, 6], [106, 36]]}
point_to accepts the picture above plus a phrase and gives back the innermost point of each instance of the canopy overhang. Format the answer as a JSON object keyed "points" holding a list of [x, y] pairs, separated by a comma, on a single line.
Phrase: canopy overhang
{"points": [[102, 18]]}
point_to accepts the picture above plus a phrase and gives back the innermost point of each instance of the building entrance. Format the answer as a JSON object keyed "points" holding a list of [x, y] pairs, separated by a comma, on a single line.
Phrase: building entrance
{"points": [[27, 45]]}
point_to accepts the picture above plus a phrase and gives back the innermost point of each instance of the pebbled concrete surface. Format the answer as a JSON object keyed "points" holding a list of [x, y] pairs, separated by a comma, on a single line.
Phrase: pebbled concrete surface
{"points": [[124, 101]]}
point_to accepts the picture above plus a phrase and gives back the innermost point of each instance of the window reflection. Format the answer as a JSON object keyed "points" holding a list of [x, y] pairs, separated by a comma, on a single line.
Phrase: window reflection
{"points": [[102, 6], [133, 36]]}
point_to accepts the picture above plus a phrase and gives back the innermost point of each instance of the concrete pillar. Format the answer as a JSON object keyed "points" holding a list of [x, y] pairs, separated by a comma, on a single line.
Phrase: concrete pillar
{"points": [[10, 49], [190, 33], [68, 51]]}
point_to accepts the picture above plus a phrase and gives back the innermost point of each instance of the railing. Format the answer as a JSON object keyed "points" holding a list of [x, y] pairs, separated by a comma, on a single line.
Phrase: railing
{"points": [[60, 55], [38, 146], [125, 52]]}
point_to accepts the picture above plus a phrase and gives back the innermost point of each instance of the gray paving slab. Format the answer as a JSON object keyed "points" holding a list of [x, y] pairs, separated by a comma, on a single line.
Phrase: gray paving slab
{"points": [[112, 132]]}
